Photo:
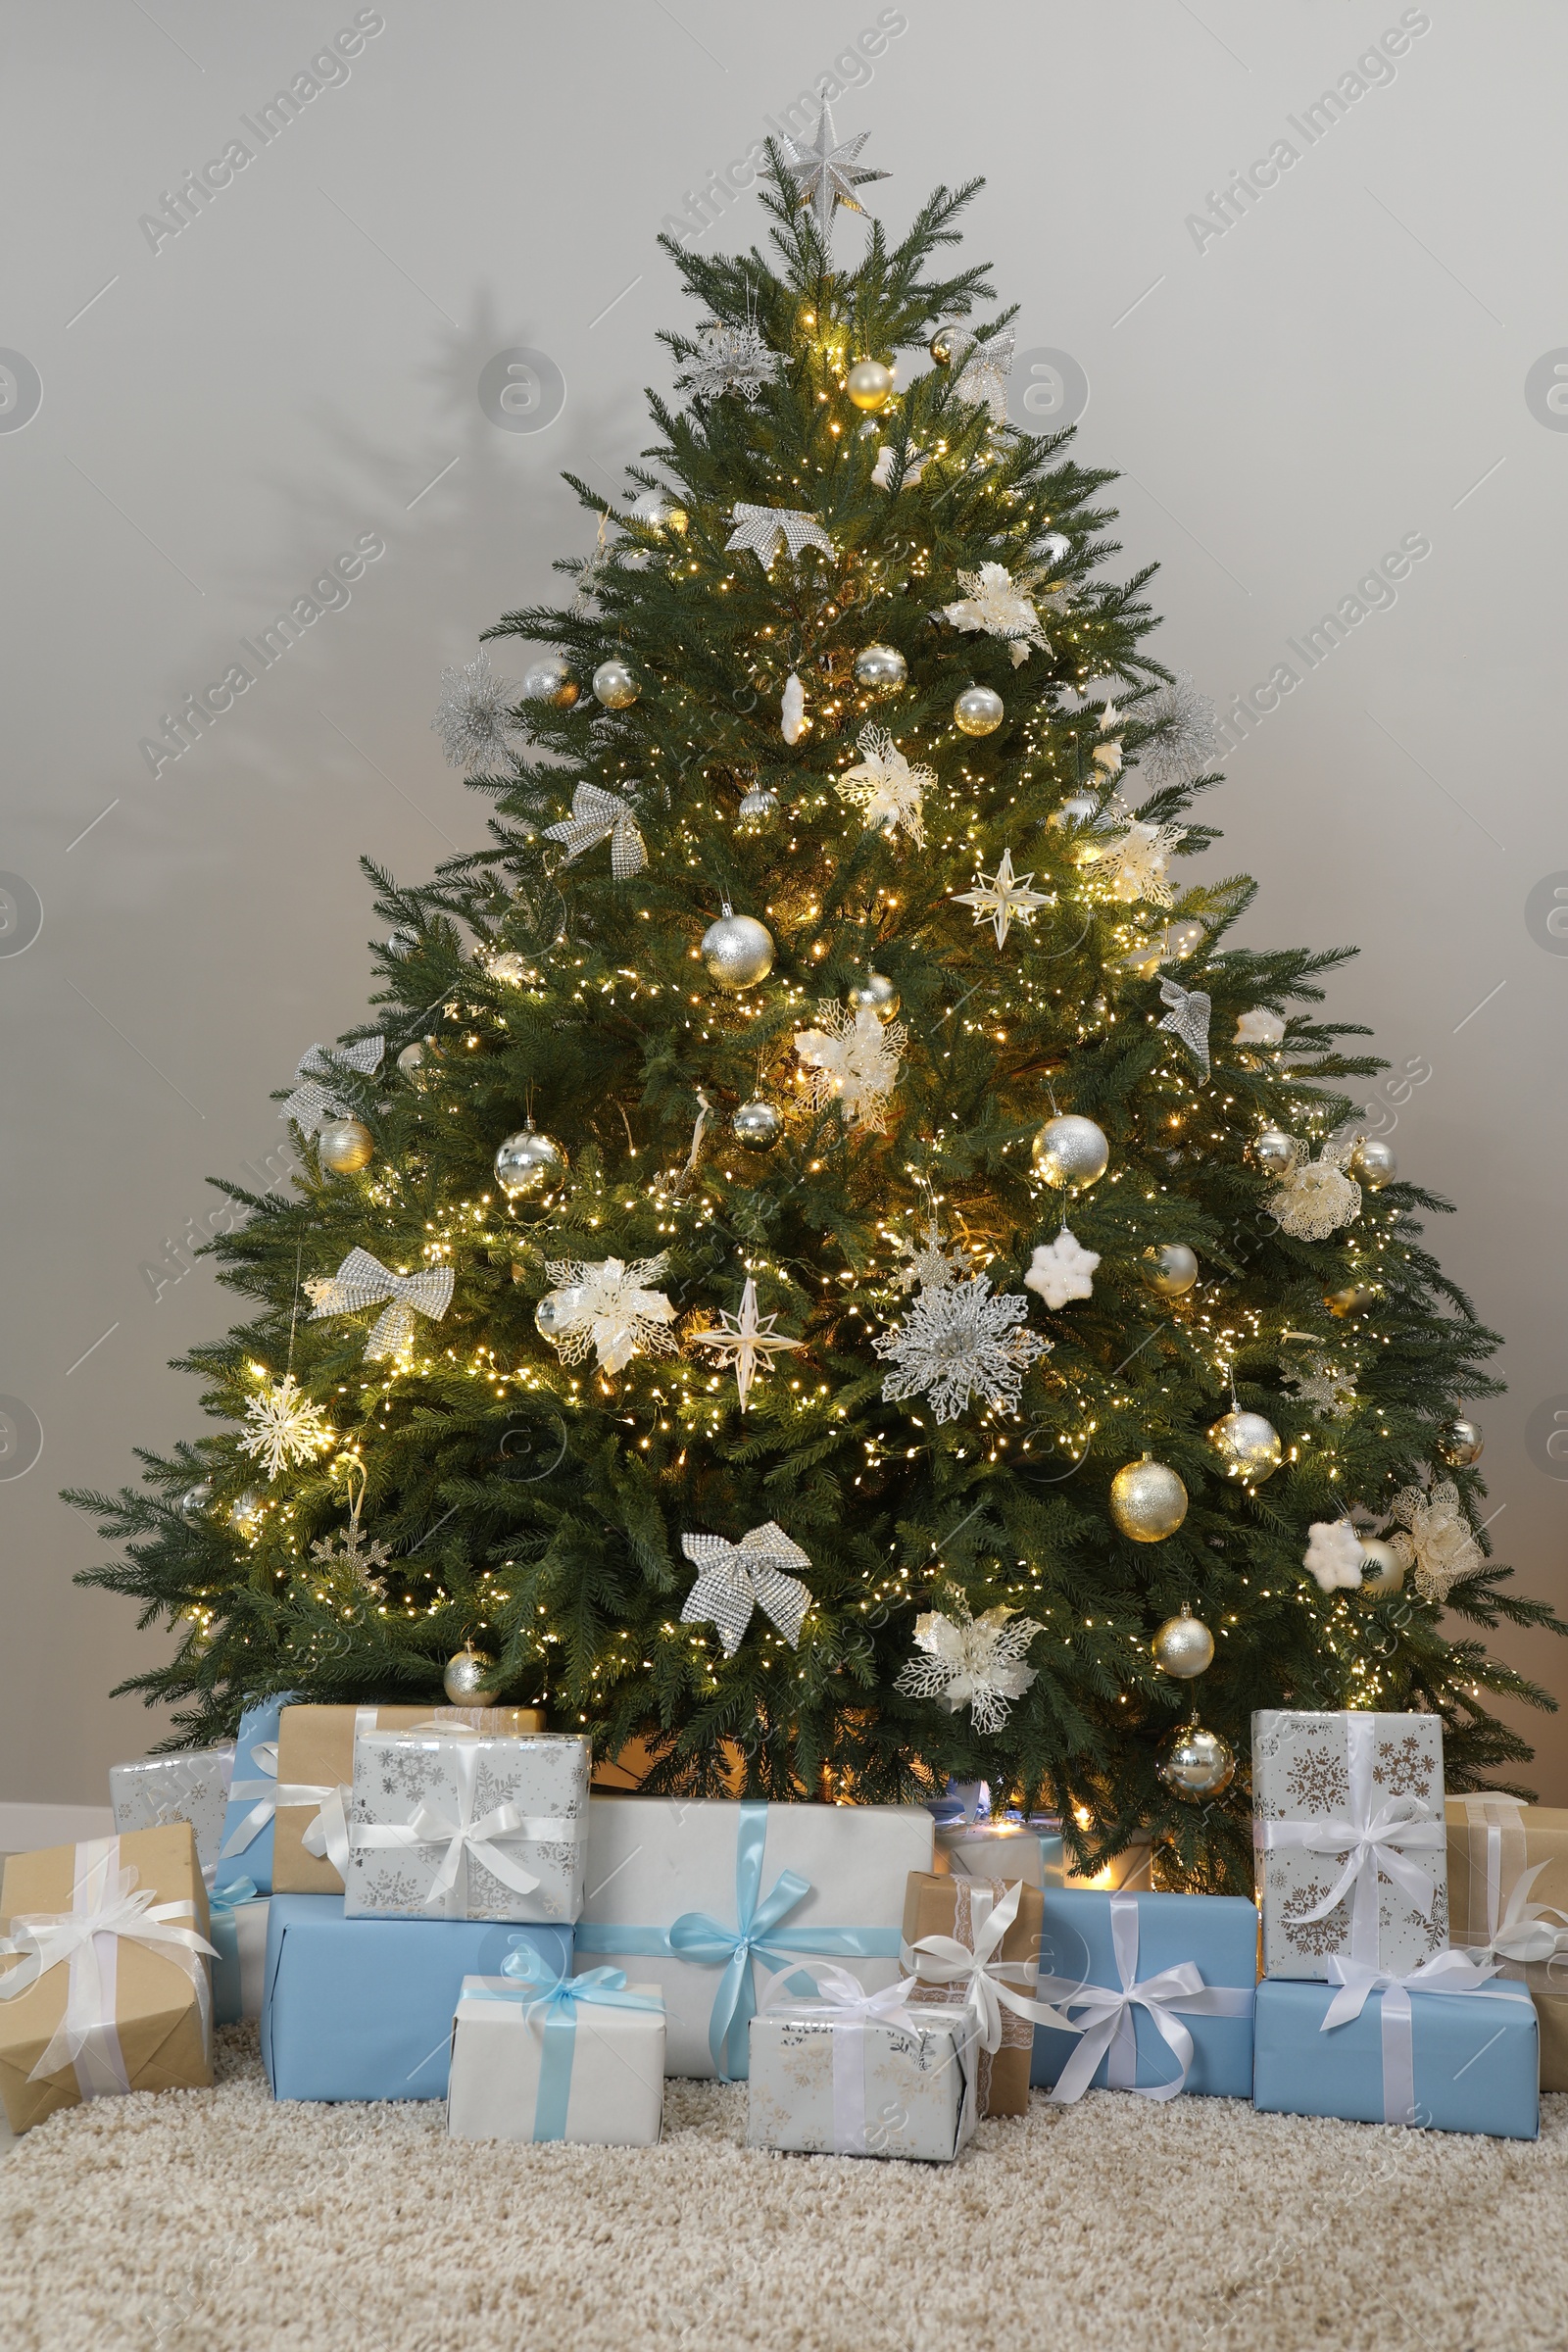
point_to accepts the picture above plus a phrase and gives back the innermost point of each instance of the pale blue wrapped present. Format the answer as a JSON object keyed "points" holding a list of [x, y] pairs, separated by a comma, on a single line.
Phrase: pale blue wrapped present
{"points": [[1157, 1990], [247, 1849]]}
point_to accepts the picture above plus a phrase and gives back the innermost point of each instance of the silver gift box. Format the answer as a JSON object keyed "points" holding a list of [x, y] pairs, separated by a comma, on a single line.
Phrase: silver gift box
{"points": [[444, 1782], [900, 2093], [160, 1790]]}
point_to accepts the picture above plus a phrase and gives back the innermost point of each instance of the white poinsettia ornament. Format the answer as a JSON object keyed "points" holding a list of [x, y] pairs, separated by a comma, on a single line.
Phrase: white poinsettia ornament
{"points": [[852, 1059], [1061, 1269], [608, 1308], [1439, 1544], [994, 603], [973, 1662], [1333, 1553], [1317, 1196], [1135, 863], [885, 788]]}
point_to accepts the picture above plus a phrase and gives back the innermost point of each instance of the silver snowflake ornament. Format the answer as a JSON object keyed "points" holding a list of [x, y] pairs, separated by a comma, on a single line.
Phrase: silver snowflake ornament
{"points": [[597, 815], [929, 1264], [729, 359], [610, 1309], [852, 1059], [746, 1340], [884, 786], [763, 528], [995, 604], [1334, 1555], [347, 1554], [1330, 1393], [827, 174], [287, 1428], [734, 1579], [1187, 740], [1005, 899], [958, 1342], [473, 714], [1188, 1019], [973, 1662]]}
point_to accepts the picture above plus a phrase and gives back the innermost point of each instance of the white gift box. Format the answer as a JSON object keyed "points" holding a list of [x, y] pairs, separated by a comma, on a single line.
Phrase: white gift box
{"points": [[860, 2085], [452, 1825], [159, 1790], [696, 1895], [590, 2068], [1348, 1838]]}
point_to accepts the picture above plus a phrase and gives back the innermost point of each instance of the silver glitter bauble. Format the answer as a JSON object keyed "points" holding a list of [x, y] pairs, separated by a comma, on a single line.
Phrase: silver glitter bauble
{"points": [[551, 681], [192, 1504], [402, 941], [1147, 1502], [470, 1679], [1194, 1763], [869, 384], [759, 805], [1171, 1269], [757, 1126], [245, 1511], [1460, 1443], [1182, 940], [737, 950], [1350, 1301], [1076, 810], [1071, 1153], [1273, 1151], [616, 685], [346, 1145], [410, 1057], [1247, 1446], [880, 667], [1381, 1569], [1182, 1647], [528, 1164], [941, 345], [660, 513], [1374, 1163], [557, 1310], [876, 994], [978, 711]]}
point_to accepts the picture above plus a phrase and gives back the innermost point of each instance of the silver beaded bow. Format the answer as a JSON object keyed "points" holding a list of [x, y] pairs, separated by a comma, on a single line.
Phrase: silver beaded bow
{"points": [[595, 815], [362, 1281], [735, 1579], [983, 369], [310, 1105], [761, 528], [1188, 1019]]}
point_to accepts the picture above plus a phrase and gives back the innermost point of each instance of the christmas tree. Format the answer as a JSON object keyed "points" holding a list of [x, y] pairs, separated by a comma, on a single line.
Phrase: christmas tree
{"points": [[827, 1264]]}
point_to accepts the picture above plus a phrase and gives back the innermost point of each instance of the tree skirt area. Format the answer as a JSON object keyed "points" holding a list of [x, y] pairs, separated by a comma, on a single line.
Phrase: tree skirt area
{"points": [[216, 2222]]}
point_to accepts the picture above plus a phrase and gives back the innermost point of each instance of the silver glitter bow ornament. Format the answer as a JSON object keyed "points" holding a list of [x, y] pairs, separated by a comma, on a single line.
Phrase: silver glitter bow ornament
{"points": [[1188, 1019], [311, 1105], [734, 1579], [761, 528], [597, 815], [362, 1281]]}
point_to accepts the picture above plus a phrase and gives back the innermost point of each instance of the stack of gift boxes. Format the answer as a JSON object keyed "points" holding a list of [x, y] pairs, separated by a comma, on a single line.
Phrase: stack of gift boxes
{"points": [[427, 1903]]}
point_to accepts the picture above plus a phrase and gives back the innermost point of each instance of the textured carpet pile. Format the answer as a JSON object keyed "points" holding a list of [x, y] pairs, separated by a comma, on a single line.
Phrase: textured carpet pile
{"points": [[216, 2222]]}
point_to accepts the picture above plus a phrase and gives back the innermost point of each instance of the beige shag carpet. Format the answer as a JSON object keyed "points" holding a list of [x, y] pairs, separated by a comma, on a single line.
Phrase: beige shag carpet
{"points": [[216, 2222]]}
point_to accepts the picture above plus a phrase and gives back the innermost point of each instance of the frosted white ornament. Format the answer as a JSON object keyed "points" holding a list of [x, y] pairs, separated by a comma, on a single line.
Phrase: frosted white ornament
{"points": [[1061, 1270], [1334, 1555]]}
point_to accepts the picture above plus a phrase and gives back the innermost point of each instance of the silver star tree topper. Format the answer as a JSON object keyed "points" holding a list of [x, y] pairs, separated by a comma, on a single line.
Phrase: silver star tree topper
{"points": [[827, 175]]}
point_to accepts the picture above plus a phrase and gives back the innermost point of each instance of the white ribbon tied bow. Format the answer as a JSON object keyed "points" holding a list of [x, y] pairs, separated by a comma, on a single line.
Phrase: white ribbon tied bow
{"points": [[984, 1983], [596, 813], [1374, 1844], [1108, 2029], [362, 1281], [735, 1579], [849, 2008], [1445, 1972]]}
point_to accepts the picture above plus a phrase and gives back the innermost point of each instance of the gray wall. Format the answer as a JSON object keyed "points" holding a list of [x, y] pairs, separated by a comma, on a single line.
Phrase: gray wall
{"points": [[1346, 363]]}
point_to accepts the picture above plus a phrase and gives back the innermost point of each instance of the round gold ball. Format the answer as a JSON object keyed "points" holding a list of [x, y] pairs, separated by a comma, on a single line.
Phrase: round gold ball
{"points": [[1182, 1647], [1350, 1301], [869, 384], [876, 994], [1170, 1270], [1247, 1446], [1381, 1569], [978, 711], [1374, 1163], [1194, 1763], [940, 347], [1147, 1502], [1274, 1151], [470, 1679], [880, 669], [616, 685], [737, 952], [1461, 1443], [551, 681], [345, 1147], [1071, 1153]]}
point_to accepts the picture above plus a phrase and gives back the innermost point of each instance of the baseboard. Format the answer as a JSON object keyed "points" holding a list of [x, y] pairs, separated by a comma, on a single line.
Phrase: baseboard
{"points": [[22, 1828]]}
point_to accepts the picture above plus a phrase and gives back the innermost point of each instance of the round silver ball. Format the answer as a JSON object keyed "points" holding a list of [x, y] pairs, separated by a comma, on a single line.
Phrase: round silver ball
{"points": [[528, 1164], [759, 805], [1182, 1647], [1171, 1269], [558, 1310], [402, 941], [1247, 1446], [1055, 547], [1194, 1763], [1461, 1443], [876, 994], [551, 681], [737, 950], [941, 345], [1374, 1163], [410, 1057], [1071, 1153], [978, 711], [470, 1679], [193, 1503], [616, 685], [1274, 1151], [757, 1126], [1381, 1569], [880, 669], [245, 1511], [345, 1146], [660, 513]]}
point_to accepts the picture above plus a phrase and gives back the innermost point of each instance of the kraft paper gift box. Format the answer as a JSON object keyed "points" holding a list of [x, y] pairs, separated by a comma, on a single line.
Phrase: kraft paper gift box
{"points": [[840, 2080], [994, 1926], [316, 1772], [1508, 1903], [238, 1936], [445, 1825], [103, 1971], [693, 1895], [1382, 2049], [362, 2008], [159, 1790], [541, 2058], [1348, 1840], [1160, 1988], [247, 1849]]}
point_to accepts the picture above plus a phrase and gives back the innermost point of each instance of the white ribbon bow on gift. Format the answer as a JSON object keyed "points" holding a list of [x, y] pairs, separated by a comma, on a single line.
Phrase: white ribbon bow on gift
{"points": [[1109, 2029], [464, 1837], [106, 1907], [849, 2008], [311, 1103], [263, 1758], [1374, 1844], [1445, 1972], [596, 813], [362, 1281], [985, 1984], [737, 1578]]}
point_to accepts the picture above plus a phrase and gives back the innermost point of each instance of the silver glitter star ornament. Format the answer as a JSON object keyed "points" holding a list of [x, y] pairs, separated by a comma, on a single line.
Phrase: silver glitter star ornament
{"points": [[827, 174], [1188, 1019], [597, 815], [746, 1341], [761, 528], [1003, 899], [734, 1579]]}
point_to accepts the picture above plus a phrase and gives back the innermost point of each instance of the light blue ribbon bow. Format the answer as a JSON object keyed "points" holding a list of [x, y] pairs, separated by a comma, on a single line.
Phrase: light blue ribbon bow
{"points": [[553, 2001], [229, 1897]]}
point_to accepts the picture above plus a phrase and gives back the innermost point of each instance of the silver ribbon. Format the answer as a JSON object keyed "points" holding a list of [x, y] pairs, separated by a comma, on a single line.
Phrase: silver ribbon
{"points": [[362, 1281], [465, 1836], [1108, 2029], [1373, 1844], [1188, 1019], [311, 1103], [1445, 1972], [735, 1579], [595, 814], [761, 528]]}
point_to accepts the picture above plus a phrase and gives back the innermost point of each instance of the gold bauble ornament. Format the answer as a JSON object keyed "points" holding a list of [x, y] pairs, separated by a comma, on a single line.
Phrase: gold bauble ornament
{"points": [[1381, 1569], [876, 994], [737, 950], [345, 1146], [1071, 1153], [529, 1165], [551, 681], [757, 1126], [1374, 1163], [1194, 1763], [978, 711], [1147, 1501], [470, 1679], [1461, 1443], [616, 685], [941, 345], [1350, 1300], [869, 384], [1273, 1151], [1182, 1647], [1247, 1446], [881, 668], [1171, 1270]]}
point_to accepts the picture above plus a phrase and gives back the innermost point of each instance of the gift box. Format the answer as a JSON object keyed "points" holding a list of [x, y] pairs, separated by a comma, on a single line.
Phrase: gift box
{"points": [[1381, 2049], [458, 1825], [192, 1787], [248, 1821], [692, 1895], [1508, 1903], [103, 1971], [977, 1941], [863, 2075], [538, 2057], [362, 2008], [238, 1936], [1161, 1988], [1348, 1838], [315, 1770]]}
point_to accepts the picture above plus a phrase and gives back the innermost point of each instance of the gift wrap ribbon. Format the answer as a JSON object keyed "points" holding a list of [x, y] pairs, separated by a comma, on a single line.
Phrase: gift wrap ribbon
{"points": [[551, 2003], [1445, 1972], [985, 1984], [464, 1837], [1107, 2029], [1373, 1844], [105, 1906], [846, 2008], [758, 1934]]}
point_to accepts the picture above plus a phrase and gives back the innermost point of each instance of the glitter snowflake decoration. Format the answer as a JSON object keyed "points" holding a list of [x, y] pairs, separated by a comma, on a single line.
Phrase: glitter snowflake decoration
{"points": [[287, 1428], [1137, 863], [347, 1554], [885, 788], [610, 1309], [729, 359], [1330, 1392], [1317, 1196], [958, 1342], [1187, 740], [1439, 1544], [852, 1060], [929, 1263], [473, 714], [973, 1662], [994, 603]]}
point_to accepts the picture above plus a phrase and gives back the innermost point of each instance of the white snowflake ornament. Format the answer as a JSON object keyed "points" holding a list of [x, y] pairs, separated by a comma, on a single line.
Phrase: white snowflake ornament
{"points": [[1258, 1027], [930, 1264], [852, 1059], [958, 1342], [1003, 899], [472, 717], [885, 788], [973, 1662], [995, 604], [611, 1309], [1334, 1555], [1317, 1196], [287, 1428], [1061, 1270], [1330, 1392], [1439, 1544]]}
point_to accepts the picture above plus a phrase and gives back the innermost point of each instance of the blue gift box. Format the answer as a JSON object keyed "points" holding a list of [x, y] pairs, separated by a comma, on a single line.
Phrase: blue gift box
{"points": [[362, 2008], [1110, 1960], [247, 1850], [1472, 2058]]}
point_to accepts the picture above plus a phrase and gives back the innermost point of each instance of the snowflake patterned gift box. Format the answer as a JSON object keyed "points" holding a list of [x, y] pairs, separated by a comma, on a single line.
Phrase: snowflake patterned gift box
{"points": [[193, 1787], [1348, 1840], [859, 2074], [463, 1825]]}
